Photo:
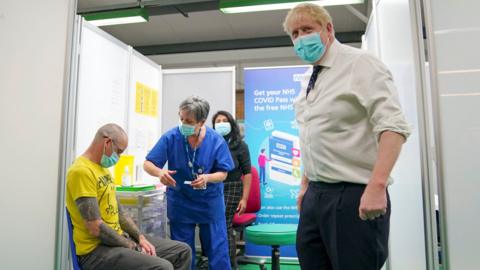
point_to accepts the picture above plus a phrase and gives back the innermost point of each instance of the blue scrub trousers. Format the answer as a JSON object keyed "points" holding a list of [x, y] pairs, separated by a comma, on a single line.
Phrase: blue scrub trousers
{"points": [[214, 241]]}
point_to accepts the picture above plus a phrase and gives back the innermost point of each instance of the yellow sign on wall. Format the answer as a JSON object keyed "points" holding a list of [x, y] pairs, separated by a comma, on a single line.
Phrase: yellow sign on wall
{"points": [[154, 103], [146, 100]]}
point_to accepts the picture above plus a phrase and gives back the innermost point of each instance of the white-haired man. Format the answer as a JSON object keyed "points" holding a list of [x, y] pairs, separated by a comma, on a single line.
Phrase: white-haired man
{"points": [[351, 132]]}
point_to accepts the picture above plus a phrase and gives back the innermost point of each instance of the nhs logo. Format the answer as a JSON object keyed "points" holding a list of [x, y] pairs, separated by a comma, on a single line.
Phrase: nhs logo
{"points": [[299, 77]]}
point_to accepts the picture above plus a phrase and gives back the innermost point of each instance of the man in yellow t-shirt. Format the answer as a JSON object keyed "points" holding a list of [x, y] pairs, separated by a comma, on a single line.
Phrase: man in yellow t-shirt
{"points": [[105, 237]]}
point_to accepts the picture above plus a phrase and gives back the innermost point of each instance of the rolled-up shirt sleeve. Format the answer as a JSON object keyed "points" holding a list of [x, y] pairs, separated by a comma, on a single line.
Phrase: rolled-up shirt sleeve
{"points": [[374, 87]]}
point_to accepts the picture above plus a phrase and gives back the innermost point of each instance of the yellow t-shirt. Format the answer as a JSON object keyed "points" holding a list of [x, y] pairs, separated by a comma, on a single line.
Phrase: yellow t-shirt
{"points": [[88, 179]]}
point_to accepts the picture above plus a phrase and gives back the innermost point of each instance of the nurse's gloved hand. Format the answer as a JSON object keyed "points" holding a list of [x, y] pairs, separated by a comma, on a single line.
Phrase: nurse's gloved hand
{"points": [[166, 178], [200, 182]]}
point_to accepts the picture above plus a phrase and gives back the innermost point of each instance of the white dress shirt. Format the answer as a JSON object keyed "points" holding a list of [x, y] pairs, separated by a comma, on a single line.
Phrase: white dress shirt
{"points": [[353, 101]]}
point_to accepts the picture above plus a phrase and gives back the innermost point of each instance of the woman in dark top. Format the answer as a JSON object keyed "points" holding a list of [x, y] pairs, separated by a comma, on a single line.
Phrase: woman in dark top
{"points": [[235, 193]]}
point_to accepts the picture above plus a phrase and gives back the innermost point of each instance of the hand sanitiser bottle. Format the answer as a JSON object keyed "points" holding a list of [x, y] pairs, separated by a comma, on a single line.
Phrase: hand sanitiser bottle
{"points": [[126, 179]]}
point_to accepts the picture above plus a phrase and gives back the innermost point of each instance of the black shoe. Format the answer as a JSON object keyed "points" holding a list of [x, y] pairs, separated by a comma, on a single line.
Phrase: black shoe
{"points": [[202, 263]]}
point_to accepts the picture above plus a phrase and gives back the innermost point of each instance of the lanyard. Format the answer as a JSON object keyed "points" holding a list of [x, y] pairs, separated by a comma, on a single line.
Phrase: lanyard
{"points": [[191, 162]]}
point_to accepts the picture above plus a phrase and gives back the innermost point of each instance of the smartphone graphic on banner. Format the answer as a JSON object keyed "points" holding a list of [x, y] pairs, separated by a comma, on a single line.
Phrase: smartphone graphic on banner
{"points": [[284, 150]]}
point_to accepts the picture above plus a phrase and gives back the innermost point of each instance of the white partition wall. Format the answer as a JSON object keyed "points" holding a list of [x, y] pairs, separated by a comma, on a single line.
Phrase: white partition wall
{"points": [[102, 84], [397, 51], [145, 96], [117, 84], [34, 46], [370, 40], [216, 85], [453, 35], [390, 37]]}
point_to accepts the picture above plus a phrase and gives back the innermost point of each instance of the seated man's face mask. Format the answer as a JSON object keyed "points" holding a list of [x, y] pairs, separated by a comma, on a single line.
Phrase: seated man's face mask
{"points": [[109, 161]]}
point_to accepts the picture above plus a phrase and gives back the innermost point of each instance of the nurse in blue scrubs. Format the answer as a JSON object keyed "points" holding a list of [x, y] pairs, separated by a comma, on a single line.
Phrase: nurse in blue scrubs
{"points": [[198, 161]]}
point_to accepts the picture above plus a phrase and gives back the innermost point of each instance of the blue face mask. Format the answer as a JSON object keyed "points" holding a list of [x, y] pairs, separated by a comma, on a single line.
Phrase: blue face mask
{"points": [[186, 129], [223, 128], [309, 48], [109, 161]]}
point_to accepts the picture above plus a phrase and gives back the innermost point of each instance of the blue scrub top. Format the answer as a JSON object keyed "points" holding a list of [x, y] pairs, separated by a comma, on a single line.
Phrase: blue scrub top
{"points": [[184, 204]]}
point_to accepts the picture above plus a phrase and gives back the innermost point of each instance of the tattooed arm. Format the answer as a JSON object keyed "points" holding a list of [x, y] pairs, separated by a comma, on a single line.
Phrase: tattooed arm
{"points": [[88, 207], [127, 224]]}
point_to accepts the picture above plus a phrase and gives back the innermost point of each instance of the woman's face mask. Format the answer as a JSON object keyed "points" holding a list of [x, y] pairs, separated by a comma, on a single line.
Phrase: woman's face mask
{"points": [[223, 128], [309, 48]]}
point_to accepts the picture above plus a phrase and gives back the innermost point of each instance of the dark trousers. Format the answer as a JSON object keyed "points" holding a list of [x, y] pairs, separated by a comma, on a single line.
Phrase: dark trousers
{"points": [[232, 194], [170, 255], [331, 235]]}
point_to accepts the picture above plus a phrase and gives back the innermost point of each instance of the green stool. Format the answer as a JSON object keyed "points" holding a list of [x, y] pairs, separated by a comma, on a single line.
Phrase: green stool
{"points": [[274, 235]]}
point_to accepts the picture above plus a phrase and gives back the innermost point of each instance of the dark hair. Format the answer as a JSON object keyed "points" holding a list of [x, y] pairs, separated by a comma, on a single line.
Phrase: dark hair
{"points": [[234, 136]]}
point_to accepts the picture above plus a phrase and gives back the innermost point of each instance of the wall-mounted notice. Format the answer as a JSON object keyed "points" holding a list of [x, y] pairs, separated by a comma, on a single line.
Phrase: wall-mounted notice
{"points": [[146, 100], [145, 94]]}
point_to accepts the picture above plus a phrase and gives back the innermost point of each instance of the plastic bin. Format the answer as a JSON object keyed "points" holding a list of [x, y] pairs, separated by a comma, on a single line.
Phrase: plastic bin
{"points": [[147, 208]]}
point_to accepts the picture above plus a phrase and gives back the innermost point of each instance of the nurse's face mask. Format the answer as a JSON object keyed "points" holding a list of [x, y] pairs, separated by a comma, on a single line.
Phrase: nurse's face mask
{"points": [[186, 129], [187, 125]]}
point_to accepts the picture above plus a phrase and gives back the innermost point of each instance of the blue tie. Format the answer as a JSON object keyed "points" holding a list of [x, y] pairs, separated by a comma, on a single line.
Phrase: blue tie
{"points": [[313, 78]]}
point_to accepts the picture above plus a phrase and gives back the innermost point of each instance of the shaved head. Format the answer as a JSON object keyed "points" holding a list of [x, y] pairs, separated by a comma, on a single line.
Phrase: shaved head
{"points": [[112, 131]]}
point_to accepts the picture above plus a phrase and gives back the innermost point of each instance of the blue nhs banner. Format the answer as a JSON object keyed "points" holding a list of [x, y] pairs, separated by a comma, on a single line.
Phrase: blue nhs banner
{"points": [[272, 136]]}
